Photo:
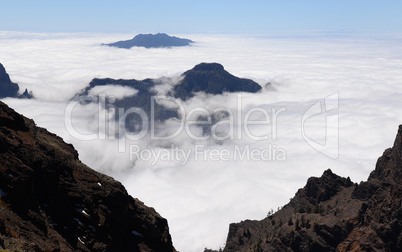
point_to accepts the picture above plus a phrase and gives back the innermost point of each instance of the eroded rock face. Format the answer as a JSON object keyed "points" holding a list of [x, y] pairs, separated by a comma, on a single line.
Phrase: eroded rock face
{"points": [[50, 201], [332, 214], [380, 226], [7, 87], [321, 189]]}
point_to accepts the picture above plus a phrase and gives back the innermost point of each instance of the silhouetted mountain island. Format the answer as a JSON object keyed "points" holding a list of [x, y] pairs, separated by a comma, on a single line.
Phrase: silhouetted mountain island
{"points": [[50, 201], [152, 41], [332, 214], [9, 88], [212, 78]]}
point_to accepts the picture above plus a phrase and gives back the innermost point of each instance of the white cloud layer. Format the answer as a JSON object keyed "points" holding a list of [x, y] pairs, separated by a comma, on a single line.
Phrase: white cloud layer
{"points": [[117, 92], [202, 196]]}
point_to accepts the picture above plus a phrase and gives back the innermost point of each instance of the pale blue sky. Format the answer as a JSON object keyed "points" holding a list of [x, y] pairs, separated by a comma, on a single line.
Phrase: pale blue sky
{"points": [[199, 16]]}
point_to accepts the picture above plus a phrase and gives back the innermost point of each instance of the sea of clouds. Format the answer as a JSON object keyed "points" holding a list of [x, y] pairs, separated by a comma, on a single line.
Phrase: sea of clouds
{"points": [[335, 96]]}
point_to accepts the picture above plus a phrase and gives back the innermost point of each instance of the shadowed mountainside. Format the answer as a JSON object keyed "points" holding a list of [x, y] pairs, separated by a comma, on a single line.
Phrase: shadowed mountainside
{"points": [[332, 214], [210, 78], [9, 88], [152, 41], [50, 201]]}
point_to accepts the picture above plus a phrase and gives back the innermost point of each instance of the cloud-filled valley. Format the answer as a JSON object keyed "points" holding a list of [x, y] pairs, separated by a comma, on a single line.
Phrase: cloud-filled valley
{"points": [[200, 194]]}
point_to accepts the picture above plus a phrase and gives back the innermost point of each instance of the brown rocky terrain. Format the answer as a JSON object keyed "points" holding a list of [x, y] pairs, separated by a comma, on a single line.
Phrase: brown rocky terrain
{"points": [[50, 201], [333, 214]]}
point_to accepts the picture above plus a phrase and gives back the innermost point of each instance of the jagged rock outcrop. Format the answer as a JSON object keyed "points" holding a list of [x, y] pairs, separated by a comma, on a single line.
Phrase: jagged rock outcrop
{"points": [[152, 41], [50, 201], [9, 88], [332, 214], [212, 78]]}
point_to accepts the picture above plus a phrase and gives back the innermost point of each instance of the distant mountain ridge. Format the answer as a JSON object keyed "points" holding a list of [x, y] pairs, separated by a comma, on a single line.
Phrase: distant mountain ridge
{"points": [[210, 78], [152, 41]]}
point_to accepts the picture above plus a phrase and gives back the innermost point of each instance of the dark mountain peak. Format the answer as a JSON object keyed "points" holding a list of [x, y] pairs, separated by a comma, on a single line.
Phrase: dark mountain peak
{"points": [[207, 67], [328, 172], [3, 73], [26, 95], [152, 41], [212, 78], [50, 201], [149, 35], [332, 214], [7, 87], [389, 165], [323, 188]]}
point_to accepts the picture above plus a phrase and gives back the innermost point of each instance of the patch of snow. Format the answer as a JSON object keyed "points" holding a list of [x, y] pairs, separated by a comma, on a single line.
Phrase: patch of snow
{"points": [[81, 240], [85, 213], [99, 184]]}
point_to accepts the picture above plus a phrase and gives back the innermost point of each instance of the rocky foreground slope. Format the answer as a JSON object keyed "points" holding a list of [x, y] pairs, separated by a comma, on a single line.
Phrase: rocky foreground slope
{"points": [[50, 201], [333, 214]]}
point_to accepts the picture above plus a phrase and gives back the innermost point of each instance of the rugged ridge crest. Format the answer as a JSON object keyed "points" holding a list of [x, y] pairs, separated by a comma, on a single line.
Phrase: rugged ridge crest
{"points": [[332, 214]]}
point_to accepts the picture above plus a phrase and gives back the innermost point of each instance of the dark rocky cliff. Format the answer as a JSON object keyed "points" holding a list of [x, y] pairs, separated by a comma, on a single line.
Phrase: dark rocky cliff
{"points": [[332, 214], [50, 201], [9, 88]]}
